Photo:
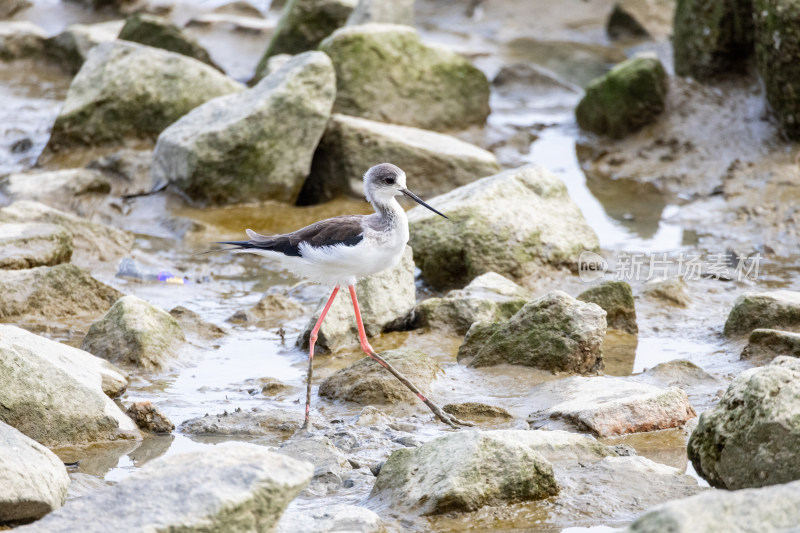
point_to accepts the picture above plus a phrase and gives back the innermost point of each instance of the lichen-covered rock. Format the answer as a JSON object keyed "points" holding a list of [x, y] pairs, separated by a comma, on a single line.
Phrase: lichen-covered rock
{"points": [[435, 162], [609, 406], [627, 98], [777, 44], [302, 26], [367, 382], [383, 298], [256, 145], [555, 332], [112, 380], [233, 487], [134, 332], [32, 244], [33, 478], [774, 309], [488, 298], [492, 228], [149, 417], [669, 290], [475, 410], [383, 11], [126, 90], [159, 32], [774, 508], [712, 37], [751, 438], [253, 422], [766, 344], [54, 394], [20, 39], [616, 299], [92, 242], [465, 471], [70, 48], [384, 72], [54, 292]]}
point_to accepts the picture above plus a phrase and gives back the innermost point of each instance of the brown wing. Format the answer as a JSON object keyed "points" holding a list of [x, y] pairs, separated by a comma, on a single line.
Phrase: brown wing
{"points": [[344, 230]]}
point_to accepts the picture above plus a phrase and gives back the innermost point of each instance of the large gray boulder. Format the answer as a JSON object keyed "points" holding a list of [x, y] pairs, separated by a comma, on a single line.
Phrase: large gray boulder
{"points": [[256, 145], [384, 72], [92, 242], [465, 471], [774, 309], [70, 48], [32, 244], [616, 299], [368, 383], [512, 223], [55, 394], [129, 91], [712, 37], [777, 45], [608, 406], [54, 292], [383, 11], [767, 509], [33, 478], [766, 344], [159, 32], [383, 298], [134, 332], [488, 298], [627, 98], [20, 40], [435, 163], [555, 332], [302, 26], [233, 488], [751, 438]]}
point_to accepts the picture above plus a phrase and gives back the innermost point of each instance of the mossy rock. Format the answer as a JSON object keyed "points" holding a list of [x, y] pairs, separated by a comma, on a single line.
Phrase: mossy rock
{"points": [[712, 37], [775, 309], [616, 298], [777, 44], [384, 72], [159, 32], [627, 98], [32, 244]]}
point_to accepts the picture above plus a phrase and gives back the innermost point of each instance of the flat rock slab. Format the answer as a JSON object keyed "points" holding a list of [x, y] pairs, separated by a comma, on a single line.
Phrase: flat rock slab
{"points": [[774, 508], [55, 393], [435, 163], [609, 406], [134, 332], [766, 344], [254, 422], [33, 478], [53, 292], [751, 438], [774, 309], [367, 382], [491, 229], [224, 488], [463, 472], [32, 244], [92, 242]]}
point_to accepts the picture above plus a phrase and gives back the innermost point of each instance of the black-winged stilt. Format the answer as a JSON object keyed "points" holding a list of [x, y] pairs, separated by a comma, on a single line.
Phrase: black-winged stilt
{"points": [[339, 250]]}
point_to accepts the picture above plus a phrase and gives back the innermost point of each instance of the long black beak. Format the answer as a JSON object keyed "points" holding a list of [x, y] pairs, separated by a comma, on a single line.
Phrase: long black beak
{"points": [[419, 201]]}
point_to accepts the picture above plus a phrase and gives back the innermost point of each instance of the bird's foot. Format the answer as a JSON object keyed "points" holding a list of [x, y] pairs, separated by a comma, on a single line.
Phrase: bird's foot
{"points": [[447, 418]]}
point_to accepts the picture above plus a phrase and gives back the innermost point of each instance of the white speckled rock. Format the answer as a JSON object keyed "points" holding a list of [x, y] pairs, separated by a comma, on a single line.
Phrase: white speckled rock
{"points": [[33, 478], [230, 488]]}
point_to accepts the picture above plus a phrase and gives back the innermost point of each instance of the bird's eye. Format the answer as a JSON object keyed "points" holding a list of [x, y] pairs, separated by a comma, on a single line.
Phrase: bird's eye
{"points": [[389, 181]]}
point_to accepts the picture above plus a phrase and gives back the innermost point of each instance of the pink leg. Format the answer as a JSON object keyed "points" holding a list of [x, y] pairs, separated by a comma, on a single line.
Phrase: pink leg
{"points": [[311, 341], [448, 419]]}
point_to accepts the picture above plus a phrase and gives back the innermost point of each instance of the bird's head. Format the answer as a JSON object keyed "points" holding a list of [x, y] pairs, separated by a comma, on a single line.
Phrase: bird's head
{"points": [[385, 181]]}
